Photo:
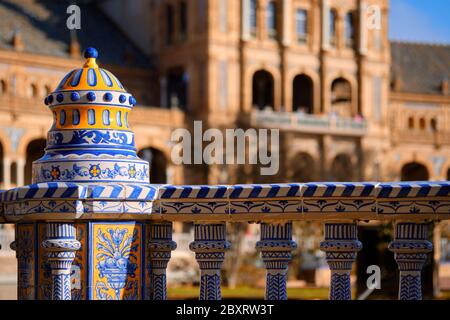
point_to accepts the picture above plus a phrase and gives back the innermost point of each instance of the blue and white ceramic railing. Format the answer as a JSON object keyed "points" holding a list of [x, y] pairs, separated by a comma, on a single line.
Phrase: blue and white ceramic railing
{"points": [[340, 206]]}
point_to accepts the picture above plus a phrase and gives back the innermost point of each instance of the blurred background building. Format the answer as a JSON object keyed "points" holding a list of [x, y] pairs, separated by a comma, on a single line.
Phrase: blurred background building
{"points": [[350, 104]]}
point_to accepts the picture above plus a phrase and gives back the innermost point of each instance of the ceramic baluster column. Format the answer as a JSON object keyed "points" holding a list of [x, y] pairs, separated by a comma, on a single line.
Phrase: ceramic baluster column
{"points": [[210, 245], [341, 246], [160, 246], [276, 247], [411, 248], [61, 243]]}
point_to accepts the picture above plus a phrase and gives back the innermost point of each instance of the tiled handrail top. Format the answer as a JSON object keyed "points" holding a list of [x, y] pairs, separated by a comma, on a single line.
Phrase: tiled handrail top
{"points": [[172, 193]]}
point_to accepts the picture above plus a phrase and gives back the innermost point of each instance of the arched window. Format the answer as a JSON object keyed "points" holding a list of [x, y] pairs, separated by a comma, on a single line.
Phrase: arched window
{"points": [[414, 171], [434, 124], [91, 117], [177, 88], [262, 90], [341, 97], [271, 23], [342, 168], [349, 30], [169, 24], [304, 168], [332, 27], [33, 91], [35, 150], [3, 87], [422, 124], [158, 164], [302, 90], [411, 123]]}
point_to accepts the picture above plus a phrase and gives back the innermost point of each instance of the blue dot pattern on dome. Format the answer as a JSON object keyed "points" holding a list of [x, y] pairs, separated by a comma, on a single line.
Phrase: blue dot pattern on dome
{"points": [[74, 96], [108, 97], [91, 96]]}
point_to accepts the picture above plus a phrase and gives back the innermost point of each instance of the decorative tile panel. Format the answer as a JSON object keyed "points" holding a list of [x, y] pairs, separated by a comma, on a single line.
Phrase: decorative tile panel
{"points": [[116, 261]]}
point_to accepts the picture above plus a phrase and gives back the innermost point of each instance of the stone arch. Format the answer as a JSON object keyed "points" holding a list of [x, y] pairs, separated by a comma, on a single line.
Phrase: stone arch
{"points": [[158, 164], [304, 168], [342, 168], [263, 90], [35, 150], [303, 93], [414, 171]]}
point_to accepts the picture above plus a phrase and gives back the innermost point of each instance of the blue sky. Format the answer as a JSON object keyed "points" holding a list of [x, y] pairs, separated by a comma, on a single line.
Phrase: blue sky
{"points": [[420, 20]]}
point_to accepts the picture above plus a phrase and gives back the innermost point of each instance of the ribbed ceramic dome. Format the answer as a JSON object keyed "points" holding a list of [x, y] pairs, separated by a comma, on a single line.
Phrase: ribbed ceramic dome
{"points": [[90, 139]]}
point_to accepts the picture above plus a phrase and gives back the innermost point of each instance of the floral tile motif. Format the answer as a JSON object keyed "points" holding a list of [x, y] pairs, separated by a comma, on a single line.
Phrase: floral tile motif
{"points": [[26, 260], [44, 274], [116, 259], [194, 207], [82, 171], [408, 206], [327, 205], [345, 197], [265, 198], [272, 206]]}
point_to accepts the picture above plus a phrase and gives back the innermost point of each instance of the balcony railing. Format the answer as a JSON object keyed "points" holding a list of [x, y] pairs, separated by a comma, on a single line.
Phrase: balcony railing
{"points": [[111, 228], [309, 123]]}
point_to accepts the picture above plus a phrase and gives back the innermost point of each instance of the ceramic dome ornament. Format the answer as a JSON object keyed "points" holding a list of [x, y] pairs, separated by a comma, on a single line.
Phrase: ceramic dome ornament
{"points": [[90, 140]]}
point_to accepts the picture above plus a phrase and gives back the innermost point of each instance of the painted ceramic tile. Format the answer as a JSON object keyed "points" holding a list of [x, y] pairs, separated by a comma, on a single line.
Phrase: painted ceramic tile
{"points": [[25, 248], [116, 258], [272, 206], [197, 207]]}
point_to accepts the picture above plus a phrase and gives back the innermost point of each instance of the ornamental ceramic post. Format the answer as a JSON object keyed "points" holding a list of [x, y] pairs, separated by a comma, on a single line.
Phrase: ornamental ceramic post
{"points": [[89, 179], [209, 246], [276, 247], [411, 248], [160, 246], [341, 246], [61, 244]]}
